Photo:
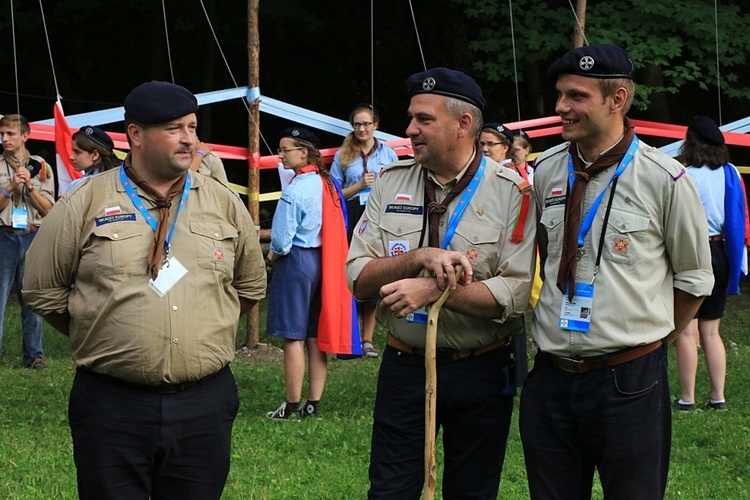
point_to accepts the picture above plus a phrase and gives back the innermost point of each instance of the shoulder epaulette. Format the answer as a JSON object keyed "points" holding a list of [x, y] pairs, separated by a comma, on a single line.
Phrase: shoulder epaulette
{"points": [[398, 164], [524, 187], [674, 168]]}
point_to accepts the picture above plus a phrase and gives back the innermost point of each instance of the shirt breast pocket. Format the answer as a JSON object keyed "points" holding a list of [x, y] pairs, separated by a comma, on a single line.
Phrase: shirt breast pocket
{"points": [[215, 243], [479, 242], [118, 248], [552, 220], [401, 232], [625, 238]]}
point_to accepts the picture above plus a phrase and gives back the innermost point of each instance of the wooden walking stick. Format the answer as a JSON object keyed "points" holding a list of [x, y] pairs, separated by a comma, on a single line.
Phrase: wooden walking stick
{"points": [[430, 394]]}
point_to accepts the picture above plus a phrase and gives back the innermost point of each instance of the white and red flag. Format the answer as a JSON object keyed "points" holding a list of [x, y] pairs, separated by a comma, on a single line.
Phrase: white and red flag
{"points": [[63, 149]]}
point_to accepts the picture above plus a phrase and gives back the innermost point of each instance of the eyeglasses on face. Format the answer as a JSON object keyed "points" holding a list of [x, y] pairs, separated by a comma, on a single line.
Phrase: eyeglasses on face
{"points": [[283, 151], [489, 144], [358, 125]]}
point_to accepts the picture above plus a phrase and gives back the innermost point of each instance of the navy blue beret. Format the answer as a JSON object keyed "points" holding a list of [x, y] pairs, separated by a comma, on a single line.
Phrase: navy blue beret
{"points": [[300, 134], [594, 61], [499, 128], [97, 135], [159, 102], [705, 128], [446, 82]]}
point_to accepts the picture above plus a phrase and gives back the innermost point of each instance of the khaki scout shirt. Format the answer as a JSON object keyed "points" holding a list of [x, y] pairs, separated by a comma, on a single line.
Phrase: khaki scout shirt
{"points": [[46, 188], [93, 265], [393, 222], [656, 240]]}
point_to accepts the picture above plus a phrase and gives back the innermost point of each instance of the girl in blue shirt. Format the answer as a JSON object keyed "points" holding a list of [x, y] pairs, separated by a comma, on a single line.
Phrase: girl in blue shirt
{"points": [[356, 166]]}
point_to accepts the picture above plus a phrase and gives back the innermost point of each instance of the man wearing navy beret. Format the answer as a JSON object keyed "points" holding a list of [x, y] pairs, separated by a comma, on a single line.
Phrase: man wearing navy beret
{"points": [[626, 263], [449, 206], [147, 269]]}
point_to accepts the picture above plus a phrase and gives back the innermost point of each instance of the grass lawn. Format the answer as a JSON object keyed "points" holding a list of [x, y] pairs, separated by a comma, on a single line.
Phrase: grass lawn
{"points": [[329, 458]]}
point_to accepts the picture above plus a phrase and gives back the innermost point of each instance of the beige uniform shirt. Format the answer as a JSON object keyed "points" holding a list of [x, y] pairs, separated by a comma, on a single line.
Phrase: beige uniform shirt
{"points": [[656, 240], [90, 259], [393, 223], [212, 166], [46, 188]]}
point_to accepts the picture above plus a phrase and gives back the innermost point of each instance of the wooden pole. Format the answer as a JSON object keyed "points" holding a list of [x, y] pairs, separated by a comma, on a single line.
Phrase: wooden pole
{"points": [[430, 393], [253, 183], [579, 28]]}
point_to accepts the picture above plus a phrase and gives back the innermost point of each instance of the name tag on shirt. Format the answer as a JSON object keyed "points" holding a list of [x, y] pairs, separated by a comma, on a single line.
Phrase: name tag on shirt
{"points": [[20, 218], [575, 315], [170, 273]]}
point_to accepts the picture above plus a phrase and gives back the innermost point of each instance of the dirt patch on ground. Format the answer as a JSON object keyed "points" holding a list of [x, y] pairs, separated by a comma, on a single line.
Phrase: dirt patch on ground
{"points": [[259, 353]]}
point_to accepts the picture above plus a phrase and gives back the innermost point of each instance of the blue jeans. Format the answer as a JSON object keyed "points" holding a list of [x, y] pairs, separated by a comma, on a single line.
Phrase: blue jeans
{"points": [[13, 249], [616, 420]]}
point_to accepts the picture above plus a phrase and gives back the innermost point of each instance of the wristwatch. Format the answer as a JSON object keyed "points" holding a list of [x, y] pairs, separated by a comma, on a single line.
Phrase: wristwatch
{"points": [[30, 189]]}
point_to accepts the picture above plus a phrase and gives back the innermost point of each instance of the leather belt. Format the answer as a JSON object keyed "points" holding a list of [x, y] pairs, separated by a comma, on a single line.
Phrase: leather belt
{"points": [[164, 388], [10, 229], [585, 365], [448, 354], [718, 237]]}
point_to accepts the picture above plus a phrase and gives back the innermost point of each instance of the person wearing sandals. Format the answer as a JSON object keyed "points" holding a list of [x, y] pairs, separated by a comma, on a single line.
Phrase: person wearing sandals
{"points": [[308, 242], [723, 197], [356, 166]]}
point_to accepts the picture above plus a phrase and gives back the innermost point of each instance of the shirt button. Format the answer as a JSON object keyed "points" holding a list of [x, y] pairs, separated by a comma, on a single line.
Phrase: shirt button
{"points": [[176, 341], [398, 231], [216, 235], [475, 239], [116, 235], [174, 308]]}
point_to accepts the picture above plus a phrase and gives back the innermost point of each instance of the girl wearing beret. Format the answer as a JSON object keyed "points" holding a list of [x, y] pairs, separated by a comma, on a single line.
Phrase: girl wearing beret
{"points": [[356, 166], [93, 152], [722, 194], [310, 305]]}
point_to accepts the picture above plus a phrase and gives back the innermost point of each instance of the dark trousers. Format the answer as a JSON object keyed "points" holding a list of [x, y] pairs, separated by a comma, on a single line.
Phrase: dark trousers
{"points": [[471, 409], [134, 444], [617, 420]]}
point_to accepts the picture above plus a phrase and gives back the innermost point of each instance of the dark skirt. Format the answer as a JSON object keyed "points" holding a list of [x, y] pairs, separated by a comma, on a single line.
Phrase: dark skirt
{"points": [[294, 298], [713, 306]]}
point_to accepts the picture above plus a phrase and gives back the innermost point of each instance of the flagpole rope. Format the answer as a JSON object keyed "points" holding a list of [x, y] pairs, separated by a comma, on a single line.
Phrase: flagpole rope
{"points": [[578, 21], [515, 68], [166, 35], [231, 75], [15, 55], [49, 51], [372, 53], [718, 71], [416, 31]]}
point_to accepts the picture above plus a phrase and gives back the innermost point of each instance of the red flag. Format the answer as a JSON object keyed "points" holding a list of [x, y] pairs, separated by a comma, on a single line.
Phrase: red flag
{"points": [[63, 148]]}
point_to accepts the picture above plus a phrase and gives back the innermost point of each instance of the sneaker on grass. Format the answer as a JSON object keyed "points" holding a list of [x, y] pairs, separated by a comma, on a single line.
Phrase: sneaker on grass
{"points": [[285, 412], [683, 407], [309, 410]]}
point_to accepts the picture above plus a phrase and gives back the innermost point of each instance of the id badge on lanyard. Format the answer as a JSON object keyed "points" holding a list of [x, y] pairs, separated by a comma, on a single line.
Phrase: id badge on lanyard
{"points": [[20, 218], [576, 314]]}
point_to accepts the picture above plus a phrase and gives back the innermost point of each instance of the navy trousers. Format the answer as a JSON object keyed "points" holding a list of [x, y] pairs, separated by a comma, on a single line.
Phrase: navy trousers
{"points": [[471, 409], [616, 420], [134, 444]]}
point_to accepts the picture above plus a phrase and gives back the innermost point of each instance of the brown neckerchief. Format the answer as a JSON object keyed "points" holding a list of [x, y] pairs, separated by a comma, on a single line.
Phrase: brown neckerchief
{"points": [[366, 156], [435, 209], [569, 259], [163, 203]]}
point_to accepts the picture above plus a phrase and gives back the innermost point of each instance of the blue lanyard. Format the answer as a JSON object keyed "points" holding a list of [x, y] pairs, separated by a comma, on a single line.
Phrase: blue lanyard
{"points": [[463, 202], [144, 212], [589, 220]]}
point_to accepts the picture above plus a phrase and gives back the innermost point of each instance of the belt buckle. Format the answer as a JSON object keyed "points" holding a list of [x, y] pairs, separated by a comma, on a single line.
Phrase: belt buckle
{"points": [[569, 364], [444, 355]]}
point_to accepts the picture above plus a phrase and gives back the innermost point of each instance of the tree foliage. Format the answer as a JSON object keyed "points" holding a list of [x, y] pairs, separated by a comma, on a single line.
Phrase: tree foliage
{"points": [[673, 43]]}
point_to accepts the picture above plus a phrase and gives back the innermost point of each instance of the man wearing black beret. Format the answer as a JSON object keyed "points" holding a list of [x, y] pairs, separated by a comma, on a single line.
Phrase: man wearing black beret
{"points": [[147, 269], [625, 262], [450, 206]]}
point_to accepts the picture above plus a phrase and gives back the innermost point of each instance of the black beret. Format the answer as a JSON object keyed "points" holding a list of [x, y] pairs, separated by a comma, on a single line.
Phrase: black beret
{"points": [[594, 61], [446, 82], [501, 129], [97, 135], [705, 128], [159, 102], [300, 134]]}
